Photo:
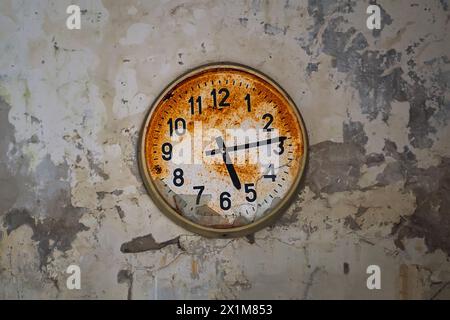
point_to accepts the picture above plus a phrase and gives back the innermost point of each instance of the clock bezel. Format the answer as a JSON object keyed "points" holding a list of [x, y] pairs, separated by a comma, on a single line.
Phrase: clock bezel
{"points": [[176, 217]]}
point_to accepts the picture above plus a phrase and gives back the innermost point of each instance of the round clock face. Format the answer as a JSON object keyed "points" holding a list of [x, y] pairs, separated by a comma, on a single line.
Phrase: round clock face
{"points": [[222, 150]]}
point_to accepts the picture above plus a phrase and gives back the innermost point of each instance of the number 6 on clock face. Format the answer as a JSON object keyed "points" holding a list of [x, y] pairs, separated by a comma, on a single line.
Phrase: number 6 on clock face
{"points": [[222, 150]]}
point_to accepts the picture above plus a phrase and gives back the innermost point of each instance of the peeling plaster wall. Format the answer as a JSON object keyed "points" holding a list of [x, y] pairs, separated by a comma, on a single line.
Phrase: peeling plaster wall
{"points": [[377, 109]]}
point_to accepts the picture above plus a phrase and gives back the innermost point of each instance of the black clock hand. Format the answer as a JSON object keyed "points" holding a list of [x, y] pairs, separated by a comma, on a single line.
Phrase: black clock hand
{"points": [[247, 145], [230, 167]]}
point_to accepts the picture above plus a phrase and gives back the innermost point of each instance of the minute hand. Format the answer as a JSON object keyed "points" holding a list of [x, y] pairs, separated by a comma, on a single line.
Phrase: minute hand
{"points": [[247, 145]]}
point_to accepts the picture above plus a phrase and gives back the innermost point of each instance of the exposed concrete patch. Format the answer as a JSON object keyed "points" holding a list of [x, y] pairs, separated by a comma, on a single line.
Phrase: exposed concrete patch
{"points": [[336, 167]]}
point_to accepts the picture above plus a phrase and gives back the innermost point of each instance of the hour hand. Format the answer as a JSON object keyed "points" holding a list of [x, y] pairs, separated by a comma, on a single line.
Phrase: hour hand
{"points": [[230, 167]]}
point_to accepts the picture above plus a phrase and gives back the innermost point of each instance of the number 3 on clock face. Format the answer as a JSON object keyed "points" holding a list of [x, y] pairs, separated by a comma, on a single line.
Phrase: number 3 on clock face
{"points": [[222, 150]]}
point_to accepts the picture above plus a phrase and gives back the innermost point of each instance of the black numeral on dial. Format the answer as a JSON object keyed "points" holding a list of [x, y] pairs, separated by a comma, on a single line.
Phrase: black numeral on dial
{"points": [[199, 194], [225, 201], [166, 151], [250, 190], [269, 122], [223, 102], [247, 99], [280, 149], [178, 179], [179, 126], [199, 104], [270, 173]]}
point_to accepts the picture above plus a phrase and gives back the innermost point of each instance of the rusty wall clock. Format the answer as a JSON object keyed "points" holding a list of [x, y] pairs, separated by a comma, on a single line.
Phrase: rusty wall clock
{"points": [[223, 150]]}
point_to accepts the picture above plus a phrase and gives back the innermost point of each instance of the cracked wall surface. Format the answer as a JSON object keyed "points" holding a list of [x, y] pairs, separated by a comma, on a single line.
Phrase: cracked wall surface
{"points": [[376, 105]]}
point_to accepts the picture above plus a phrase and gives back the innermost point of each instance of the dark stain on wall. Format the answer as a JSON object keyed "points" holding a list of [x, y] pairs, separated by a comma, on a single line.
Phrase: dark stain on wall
{"points": [[147, 243], [336, 167], [8, 196], [431, 187], [46, 209], [126, 276], [378, 78], [50, 233]]}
